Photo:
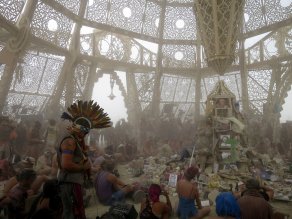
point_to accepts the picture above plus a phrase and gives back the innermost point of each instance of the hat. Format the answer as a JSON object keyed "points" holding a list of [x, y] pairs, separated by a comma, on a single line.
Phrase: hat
{"points": [[226, 205], [252, 184]]}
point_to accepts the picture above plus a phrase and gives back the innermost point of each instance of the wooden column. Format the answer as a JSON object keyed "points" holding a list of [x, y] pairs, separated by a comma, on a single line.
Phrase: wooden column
{"points": [[91, 79], [243, 75], [66, 77], [14, 49], [198, 92], [158, 74]]}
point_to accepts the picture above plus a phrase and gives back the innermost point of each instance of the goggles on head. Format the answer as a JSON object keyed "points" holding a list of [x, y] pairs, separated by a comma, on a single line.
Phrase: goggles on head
{"points": [[83, 129]]}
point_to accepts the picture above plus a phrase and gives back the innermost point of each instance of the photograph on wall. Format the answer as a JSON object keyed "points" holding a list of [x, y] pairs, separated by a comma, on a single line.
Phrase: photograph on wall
{"points": [[224, 139]]}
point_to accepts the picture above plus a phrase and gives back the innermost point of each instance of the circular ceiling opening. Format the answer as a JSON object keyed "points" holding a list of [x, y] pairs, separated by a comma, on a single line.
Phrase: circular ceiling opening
{"points": [[127, 12], [285, 3], [180, 24], [52, 25], [90, 2], [85, 46], [157, 22], [246, 17], [179, 55]]}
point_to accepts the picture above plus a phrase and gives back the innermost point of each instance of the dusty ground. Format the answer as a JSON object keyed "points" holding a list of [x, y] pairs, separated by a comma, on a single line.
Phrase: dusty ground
{"points": [[97, 209]]}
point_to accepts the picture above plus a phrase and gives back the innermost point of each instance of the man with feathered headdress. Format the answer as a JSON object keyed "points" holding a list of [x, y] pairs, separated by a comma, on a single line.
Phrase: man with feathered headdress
{"points": [[72, 158]]}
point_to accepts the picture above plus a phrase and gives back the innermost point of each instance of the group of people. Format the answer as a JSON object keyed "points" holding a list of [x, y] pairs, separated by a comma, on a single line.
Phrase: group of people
{"points": [[56, 188], [251, 201]]}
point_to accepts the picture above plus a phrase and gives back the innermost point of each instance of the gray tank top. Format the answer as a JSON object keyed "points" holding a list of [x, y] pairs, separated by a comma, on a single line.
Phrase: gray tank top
{"points": [[71, 177]]}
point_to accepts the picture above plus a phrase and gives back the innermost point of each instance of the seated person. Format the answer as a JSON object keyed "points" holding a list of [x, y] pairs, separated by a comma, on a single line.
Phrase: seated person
{"points": [[49, 199], [122, 154], [152, 207], [148, 147], [164, 150], [109, 188], [265, 191], [189, 195], [252, 203], [16, 197], [25, 164], [96, 157], [44, 163], [226, 207]]}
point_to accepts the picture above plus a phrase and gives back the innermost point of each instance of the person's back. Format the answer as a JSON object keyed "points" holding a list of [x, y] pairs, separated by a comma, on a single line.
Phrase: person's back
{"points": [[189, 195], [48, 201], [252, 204], [104, 189]]}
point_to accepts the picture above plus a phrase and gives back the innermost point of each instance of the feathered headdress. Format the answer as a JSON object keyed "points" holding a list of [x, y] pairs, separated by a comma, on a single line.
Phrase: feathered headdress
{"points": [[87, 114]]}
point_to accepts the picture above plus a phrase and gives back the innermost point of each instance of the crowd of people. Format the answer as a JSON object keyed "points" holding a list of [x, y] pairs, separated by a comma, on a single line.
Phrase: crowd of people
{"points": [[48, 163]]}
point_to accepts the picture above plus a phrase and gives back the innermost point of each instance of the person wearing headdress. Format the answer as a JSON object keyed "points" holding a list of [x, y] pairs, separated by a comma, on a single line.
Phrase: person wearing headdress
{"points": [[189, 196], [74, 165], [226, 207]]}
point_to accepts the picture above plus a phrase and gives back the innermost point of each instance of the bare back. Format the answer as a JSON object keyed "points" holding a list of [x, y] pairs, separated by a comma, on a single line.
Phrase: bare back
{"points": [[187, 189]]}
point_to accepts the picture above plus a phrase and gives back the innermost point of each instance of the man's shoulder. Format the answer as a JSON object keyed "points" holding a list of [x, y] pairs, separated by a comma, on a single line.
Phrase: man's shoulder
{"points": [[248, 199], [68, 143], [111, 177]]}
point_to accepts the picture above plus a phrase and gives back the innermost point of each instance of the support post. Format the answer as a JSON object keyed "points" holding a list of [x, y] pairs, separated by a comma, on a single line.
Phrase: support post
{"points": [[158, 74], [91, 79], [243, 75], [14, 49], [66, 77]]}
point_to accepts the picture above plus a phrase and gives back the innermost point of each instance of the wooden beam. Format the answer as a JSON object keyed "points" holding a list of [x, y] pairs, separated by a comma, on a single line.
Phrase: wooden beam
{"points": [[271, 27]]}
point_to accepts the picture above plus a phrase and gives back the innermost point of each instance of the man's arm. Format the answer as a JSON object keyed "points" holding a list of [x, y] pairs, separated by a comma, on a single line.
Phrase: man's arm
{"points": [[67, 150], [117, 183], [197, 197]]}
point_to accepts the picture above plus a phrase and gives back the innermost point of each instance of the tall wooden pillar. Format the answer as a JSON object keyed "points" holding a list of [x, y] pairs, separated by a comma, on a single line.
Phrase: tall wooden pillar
{"points": [[243, 75], [66, 78], [91, 79], [14, 49], [158, 74]]}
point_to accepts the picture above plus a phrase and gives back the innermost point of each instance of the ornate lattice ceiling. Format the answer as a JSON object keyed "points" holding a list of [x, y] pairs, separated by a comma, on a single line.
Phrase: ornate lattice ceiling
{"points": [[55, 47]]}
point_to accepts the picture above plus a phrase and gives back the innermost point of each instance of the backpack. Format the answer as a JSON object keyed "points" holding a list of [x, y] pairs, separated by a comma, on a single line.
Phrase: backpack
{"points": [[113, 215]]}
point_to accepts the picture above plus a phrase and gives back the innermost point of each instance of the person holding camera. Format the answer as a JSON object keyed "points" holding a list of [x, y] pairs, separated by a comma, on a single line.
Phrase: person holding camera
{"points": [[152, 207]]}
